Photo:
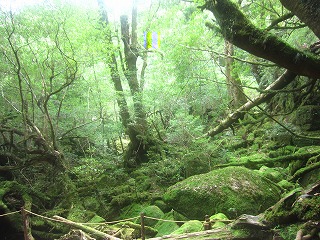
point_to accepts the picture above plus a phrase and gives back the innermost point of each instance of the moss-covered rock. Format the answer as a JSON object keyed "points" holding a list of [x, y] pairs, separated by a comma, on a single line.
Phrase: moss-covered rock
{"points": [[154, 212], [166, 227], [123, 200], [270, 173], [217, 220], [189, 227], [162, 205], [236, 188], [131, 211], [310, 177], [134, 210], [218, 216], [297, 206]]}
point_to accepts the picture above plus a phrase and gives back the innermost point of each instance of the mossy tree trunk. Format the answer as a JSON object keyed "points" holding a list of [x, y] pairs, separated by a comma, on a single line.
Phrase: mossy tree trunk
{"points": [[138, 130], [136, 126], [234, 85], [237, 29]]}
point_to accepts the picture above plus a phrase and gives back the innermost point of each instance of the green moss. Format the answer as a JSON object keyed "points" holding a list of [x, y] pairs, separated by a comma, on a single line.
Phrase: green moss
{"points": [[165, 228], [308, 208], [271, 174], [162, 205], [189, 227], [221, 190], [219, 216], [294, 166], [251, 158], [78, 214], [309, 149], [96, 219], [149, 231], [282, 151], [286, 184], [178, 216], [123, 199], [240, 233], [288, 232], [282, 211], [215, 219], [307, 117], [154, 212], [91, 203], [133, 210], [218, 225]]}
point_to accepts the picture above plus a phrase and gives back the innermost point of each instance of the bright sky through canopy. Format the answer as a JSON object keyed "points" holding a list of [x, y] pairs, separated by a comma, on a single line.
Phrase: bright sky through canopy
{"points": [[115, 7]]}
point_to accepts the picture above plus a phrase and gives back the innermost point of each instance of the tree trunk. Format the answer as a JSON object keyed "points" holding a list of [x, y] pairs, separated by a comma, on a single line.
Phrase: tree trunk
{"points": [[237, 29], [235, 91], [113, 66], [131, 54], [138, 146], [136, 127], [307, 11]]}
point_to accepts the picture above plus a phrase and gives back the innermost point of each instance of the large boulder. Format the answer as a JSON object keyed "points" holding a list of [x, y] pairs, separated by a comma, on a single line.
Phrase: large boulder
{"points": [[232, 191]]}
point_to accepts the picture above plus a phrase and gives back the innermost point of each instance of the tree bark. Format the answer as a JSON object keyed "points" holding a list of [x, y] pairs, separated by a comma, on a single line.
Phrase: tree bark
{"points": [[235, 91], [131, 54], [307, 11], [113, 66], [136, 127], [237, 29]]}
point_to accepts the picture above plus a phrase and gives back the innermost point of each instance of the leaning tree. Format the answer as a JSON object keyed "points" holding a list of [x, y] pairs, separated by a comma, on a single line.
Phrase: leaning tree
{"points": [[237, 28]]}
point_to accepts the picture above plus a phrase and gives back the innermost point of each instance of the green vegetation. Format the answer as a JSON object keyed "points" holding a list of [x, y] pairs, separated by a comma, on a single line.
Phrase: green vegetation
{"points": [[189, 227], [232, 191]]}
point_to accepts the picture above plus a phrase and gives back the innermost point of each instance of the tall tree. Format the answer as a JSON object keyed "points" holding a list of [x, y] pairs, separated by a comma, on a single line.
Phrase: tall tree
{"points": [[136, 127], [234, 85]]}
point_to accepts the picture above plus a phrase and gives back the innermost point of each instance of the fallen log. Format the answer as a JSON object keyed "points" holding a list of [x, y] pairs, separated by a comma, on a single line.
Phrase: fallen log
{"points": [[86, 229]]}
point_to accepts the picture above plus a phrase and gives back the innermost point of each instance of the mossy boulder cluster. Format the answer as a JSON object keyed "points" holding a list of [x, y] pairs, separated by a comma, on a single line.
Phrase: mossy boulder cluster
{"points": [[232, 191]]}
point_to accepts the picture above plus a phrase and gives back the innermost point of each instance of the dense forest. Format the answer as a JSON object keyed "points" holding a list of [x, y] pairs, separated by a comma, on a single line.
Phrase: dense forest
{"points": [[160, 119]]}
